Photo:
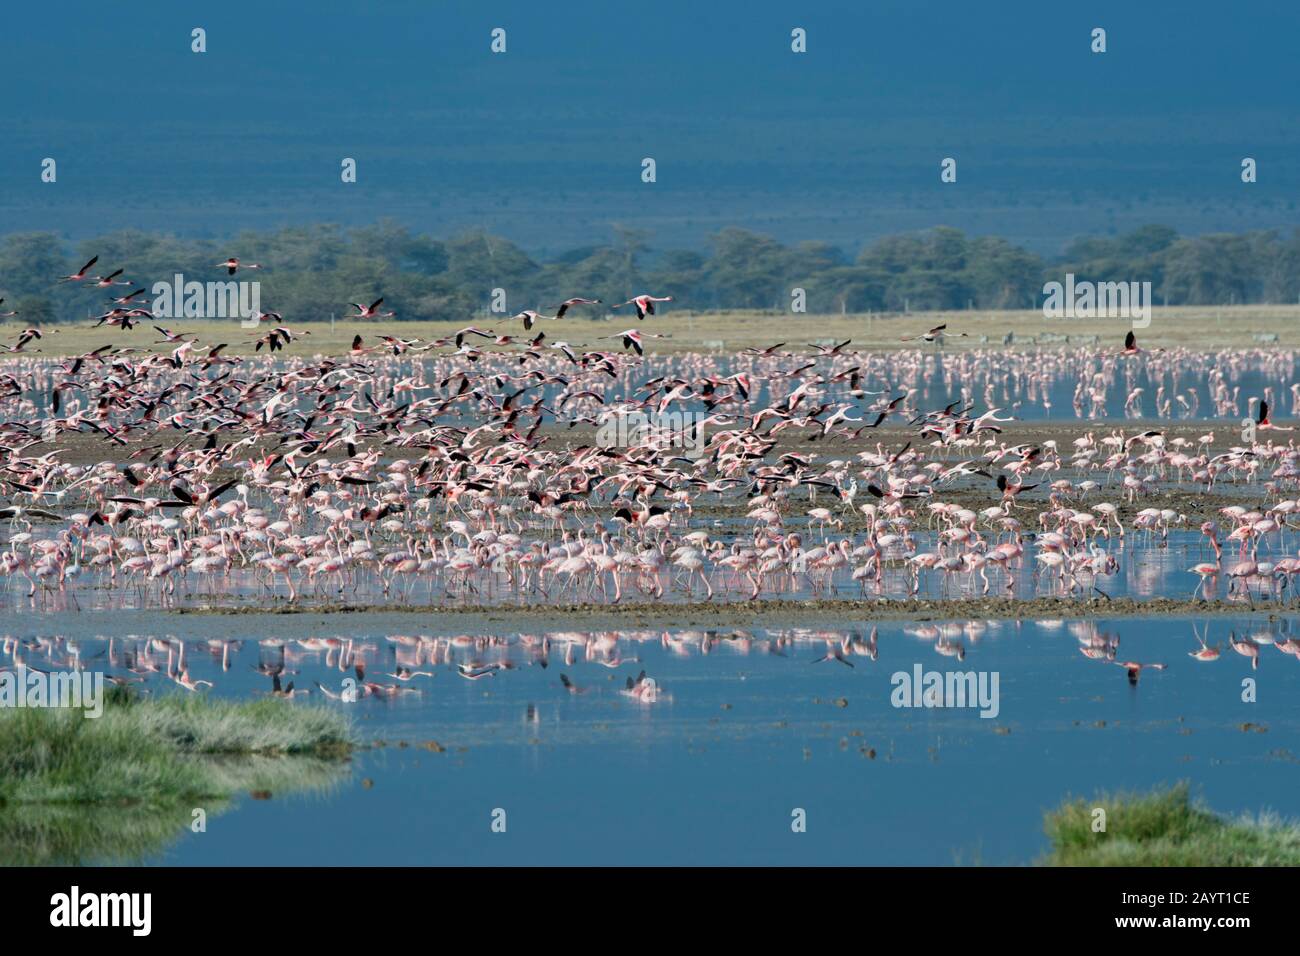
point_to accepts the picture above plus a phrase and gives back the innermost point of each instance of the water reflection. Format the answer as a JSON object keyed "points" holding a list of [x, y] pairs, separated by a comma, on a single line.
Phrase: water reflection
{"points": [[746, 723], [599, 666]]}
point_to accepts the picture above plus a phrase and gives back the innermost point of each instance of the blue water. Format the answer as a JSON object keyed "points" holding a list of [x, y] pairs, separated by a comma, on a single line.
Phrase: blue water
{"points": [[745, 733]]}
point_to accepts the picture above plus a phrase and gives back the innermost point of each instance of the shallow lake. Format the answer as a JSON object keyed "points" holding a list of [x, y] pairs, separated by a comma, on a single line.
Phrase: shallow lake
{"points": [[746, 728]]}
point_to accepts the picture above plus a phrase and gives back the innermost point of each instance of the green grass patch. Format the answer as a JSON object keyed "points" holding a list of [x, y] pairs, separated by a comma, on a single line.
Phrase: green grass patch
{"points": [[1166, 828], [118, 787], [1201, 327]]}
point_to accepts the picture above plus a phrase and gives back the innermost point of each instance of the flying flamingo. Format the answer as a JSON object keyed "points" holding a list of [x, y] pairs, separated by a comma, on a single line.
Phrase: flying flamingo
{"points": [[105, 282], [128, 298], [81, 273], [233, 265], [530, 317], [1131, 345], [632, 339], [569, 303], [645, 304], [371, 311], [1262, 422], [936, 334]]}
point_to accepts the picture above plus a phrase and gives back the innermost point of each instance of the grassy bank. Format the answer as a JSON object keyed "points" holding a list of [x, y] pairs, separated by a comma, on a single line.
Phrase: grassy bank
{"points": [[1165, 828], [146, 750], [119, 787]]}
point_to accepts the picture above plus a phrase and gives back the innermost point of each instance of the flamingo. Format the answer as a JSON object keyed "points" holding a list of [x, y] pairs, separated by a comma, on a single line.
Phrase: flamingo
{"points": [[634, 339], [370, 311], [1262, 422], [108, 281], [1206, 571], [645, 304], [567, 304], [80, 274], [936, 334], [233, 265]]}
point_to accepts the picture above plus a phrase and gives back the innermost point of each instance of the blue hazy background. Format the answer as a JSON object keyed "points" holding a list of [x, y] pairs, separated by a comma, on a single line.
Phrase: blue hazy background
{"points": [[544, 143]]}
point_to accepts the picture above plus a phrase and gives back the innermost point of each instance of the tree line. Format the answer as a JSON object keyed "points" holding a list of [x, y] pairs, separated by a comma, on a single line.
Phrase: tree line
{"points": [[312, 272]]}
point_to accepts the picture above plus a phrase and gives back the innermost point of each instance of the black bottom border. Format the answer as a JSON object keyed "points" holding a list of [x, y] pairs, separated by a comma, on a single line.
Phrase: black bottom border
{"points": [[297, 906]]}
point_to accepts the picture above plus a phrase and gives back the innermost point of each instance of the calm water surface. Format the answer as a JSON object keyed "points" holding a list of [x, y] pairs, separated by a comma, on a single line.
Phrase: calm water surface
{"points": [[748, 728]]}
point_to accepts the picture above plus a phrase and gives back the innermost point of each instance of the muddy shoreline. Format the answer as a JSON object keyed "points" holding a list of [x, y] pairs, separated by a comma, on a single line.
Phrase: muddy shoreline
{"points": [[739, 614]]}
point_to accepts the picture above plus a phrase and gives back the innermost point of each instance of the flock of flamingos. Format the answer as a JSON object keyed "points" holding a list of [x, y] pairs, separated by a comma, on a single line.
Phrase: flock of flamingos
{"points": [[464, 469]]}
